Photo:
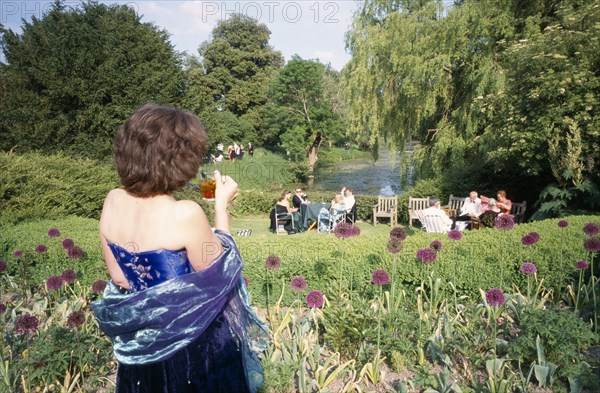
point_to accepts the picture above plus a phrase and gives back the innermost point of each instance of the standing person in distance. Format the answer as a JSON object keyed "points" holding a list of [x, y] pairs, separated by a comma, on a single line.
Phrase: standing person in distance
{"points": [[176, 306]]}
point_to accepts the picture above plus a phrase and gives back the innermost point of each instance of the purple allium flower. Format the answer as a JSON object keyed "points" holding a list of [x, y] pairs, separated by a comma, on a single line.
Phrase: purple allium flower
{"points": [[54, 283], [53, 232], [435, 245], [2, 265], [273, 262], [380, 277], [528, 268], [592, 244], [98, 286], [397, 235], [505, 222], [494, 297], [530, 239], [69, 276], [426, 255], [76, 319], [18, 254], [298, 284], [343, 230], [68, 243], [355, 230], [41, 249], [394, 247], [315, 299], [26, 323], [75, 252], [2, 308], [455, 234], [582, 265], [563, 224], [591, 229]]}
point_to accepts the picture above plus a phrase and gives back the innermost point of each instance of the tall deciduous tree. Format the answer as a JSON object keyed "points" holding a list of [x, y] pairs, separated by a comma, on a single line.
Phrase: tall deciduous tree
{"points": [[75, 74], [482, 84], [304, 93], [232, 75]]}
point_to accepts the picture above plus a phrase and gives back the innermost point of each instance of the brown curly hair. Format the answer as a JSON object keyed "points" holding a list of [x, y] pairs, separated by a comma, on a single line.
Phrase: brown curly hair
{"points": [[158, 150]]}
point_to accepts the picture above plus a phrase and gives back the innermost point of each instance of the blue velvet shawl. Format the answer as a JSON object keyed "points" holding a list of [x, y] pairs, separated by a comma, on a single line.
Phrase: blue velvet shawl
{"points": [[151, 325]]}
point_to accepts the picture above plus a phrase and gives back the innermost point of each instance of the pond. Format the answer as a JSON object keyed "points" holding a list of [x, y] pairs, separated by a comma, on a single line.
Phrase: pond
{"points": [[365, 177]]}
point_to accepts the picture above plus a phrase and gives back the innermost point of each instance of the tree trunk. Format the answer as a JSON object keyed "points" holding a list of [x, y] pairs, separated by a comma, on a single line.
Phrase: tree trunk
{"points": [[312, 152]]}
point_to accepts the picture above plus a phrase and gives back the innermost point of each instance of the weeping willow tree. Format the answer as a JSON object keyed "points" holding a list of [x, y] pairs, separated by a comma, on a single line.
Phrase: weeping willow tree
{"points": [[461, 78], [417, 71]]}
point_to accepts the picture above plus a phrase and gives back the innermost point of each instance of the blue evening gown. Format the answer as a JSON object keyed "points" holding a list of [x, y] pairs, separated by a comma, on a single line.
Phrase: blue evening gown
{"points": [[212, 363]]}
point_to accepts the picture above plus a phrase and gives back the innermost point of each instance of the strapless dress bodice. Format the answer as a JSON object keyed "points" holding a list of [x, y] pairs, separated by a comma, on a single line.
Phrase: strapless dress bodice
{"points": [[149, 268]]}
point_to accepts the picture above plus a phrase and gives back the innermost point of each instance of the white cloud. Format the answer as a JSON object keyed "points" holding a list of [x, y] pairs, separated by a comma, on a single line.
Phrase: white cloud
{"points": [[312, 29]]}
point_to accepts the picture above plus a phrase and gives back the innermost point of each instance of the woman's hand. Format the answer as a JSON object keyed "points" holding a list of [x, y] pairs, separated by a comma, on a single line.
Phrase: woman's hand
{"points": [[226, 189]]}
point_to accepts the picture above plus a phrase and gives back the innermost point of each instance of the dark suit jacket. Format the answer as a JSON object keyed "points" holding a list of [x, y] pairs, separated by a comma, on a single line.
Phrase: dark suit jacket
{"points": [[297, 201]]}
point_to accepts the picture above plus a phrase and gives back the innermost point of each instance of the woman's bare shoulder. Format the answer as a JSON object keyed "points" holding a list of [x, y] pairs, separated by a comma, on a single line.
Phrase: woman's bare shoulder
{"points": [[114, 195]]}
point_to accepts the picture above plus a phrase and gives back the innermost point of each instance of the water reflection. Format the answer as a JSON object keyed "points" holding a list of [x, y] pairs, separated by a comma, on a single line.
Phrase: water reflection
{"points": [[382, 177]]}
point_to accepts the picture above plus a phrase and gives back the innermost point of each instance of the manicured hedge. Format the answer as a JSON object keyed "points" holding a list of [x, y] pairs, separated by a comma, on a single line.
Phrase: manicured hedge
{"points": [[27, 236], [481, 259], [35, 186]]}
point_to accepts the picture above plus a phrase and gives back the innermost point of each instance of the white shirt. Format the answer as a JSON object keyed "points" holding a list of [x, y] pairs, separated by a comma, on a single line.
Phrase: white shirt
{"points": [[470, 207], [434, 211], [349, 201]]}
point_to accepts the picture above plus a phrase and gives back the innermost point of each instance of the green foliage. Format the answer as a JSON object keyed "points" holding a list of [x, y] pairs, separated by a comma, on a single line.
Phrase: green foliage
{"points": [[562, 334], [299, 93], [432, 314], [54, 352], [225, 127], [331, 155], [35, 186], [74, 75], [482, 259], [26, 236], [265, 171], [234, 69], [558, 202], [500, 86]]}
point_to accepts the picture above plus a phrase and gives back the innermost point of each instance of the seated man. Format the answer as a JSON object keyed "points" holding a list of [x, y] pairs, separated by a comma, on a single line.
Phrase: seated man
{"points": [[435, 211], [471, 208], [299, 198]]}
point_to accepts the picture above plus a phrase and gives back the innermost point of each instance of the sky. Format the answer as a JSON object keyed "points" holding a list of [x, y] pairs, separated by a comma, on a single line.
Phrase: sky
{"points": [[313, 29]]}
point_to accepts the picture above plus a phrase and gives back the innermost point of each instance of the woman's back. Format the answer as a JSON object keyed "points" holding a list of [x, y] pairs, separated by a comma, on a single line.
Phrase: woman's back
{"points": [[140, 224]]}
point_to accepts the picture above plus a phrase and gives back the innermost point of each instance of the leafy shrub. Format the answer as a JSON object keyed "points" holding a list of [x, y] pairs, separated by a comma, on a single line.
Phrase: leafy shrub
{"points": [[264, 171], [564, 337], [332, 155], [34, 186], [482, 259], [54, 352], [27, 236]]}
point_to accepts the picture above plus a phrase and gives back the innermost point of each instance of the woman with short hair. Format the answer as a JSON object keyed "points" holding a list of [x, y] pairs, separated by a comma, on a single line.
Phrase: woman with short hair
{"points": [[176, 306]]}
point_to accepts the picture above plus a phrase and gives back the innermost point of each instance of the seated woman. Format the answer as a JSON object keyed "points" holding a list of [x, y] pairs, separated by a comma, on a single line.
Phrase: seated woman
{"points": [[337, 203], [489, 213], [283, 206], [503, 203]]}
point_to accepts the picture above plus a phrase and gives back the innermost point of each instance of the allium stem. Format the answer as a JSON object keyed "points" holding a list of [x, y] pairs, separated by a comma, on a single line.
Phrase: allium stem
{"points": [[379, 317], [394, 279], [529, 288], [268, 310], [341, 276], [80, 358], [578, 289], [593, 280]]}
